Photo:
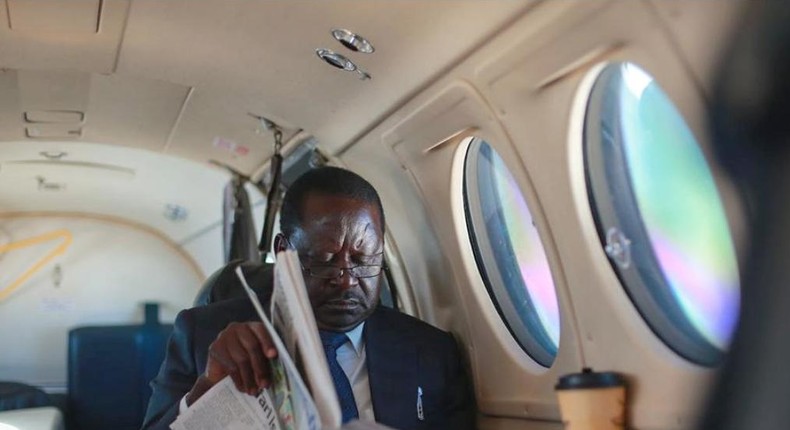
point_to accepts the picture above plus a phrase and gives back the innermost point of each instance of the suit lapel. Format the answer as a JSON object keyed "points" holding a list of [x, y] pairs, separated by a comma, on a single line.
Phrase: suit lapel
{"points": [[392, 369]]}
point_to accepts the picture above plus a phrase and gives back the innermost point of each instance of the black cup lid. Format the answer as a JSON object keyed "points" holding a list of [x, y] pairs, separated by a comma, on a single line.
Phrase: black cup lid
{"points": [[589, 379]]}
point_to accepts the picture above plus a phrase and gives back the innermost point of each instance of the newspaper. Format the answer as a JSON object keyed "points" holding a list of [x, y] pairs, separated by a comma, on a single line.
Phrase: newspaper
{"points": [[225, 407], [287, 404], [294, 319]]}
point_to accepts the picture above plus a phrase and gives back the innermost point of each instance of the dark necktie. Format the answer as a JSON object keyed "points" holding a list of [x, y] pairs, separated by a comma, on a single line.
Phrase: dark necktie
{"points": [[332, 341]]}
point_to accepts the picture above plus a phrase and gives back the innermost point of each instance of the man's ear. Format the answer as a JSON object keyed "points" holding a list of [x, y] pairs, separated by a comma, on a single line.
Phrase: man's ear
{"points": [[280, 243]]}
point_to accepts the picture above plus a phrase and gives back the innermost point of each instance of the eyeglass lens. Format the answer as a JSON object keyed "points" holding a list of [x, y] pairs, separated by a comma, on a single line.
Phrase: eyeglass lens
{"points": [[330, 272]]}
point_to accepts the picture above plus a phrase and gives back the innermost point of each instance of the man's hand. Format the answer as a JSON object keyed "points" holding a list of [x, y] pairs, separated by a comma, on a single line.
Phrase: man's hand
{"points": [[242, 351]]}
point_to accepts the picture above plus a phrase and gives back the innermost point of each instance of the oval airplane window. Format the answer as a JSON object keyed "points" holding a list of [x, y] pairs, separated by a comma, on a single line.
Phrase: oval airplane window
{"points": [[659, 215], [509, 253]]}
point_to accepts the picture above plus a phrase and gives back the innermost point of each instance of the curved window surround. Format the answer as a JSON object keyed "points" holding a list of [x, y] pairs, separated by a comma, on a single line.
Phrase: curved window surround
{"points": [[659, 215], [509, 253]]}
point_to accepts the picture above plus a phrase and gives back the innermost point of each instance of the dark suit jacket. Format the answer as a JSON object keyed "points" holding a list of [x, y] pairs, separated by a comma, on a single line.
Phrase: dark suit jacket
{"points": [[403, 353]]}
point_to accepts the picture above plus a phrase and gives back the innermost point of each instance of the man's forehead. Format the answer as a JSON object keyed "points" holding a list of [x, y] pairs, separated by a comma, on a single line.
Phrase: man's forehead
{"points": [[331, 240], [336, 230], [322, 209]]}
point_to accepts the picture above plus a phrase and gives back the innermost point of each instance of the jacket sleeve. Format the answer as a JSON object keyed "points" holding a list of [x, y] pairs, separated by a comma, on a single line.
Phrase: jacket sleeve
{"points": [[176, 376]]}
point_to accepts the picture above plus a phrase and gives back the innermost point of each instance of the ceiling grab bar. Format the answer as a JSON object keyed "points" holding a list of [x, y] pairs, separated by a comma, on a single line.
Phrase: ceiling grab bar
{"points": [[238, 226], [273, 198]]}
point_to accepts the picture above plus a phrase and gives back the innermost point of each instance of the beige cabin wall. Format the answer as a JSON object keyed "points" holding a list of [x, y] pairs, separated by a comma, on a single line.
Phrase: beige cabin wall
{"points": [[524, 92], [110, 269], [205, 245]]}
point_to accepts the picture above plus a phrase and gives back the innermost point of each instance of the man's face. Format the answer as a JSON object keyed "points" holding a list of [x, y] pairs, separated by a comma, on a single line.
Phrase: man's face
{"points": [[343, 233]]}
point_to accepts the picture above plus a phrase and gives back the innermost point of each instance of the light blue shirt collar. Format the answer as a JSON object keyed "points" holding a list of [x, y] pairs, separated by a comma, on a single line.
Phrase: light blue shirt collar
{"points": [[355, 336]]}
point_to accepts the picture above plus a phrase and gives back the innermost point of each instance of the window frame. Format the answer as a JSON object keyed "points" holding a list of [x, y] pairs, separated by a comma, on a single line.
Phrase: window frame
{"points": [[521, 328], [606, 174]]}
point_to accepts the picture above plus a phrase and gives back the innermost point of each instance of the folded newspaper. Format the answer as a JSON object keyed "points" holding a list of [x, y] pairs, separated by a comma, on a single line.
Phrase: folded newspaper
{"points": [[289, 403]]}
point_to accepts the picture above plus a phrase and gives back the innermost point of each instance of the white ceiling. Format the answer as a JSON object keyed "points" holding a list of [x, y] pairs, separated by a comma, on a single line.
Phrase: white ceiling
{"points": [[184, 78], [173, 76], [128, 183]]}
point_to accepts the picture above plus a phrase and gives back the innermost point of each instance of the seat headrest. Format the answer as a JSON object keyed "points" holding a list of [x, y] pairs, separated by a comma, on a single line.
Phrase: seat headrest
{"points": [[223, 284]]}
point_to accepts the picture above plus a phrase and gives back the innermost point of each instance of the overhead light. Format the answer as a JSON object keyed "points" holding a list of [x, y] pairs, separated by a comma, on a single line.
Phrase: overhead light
{"points": [[336, 60], [352, 41], [341, 62]]}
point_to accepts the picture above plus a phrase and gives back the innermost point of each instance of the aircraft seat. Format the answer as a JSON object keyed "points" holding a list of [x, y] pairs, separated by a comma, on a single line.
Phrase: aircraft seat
{"points": [[109, 370], [223, 284], [15, 395]]}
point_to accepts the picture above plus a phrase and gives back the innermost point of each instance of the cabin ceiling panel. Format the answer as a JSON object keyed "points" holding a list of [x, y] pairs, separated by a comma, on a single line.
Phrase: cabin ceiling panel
{"points": [[107, 180], [42, 94], [220, 125], [269, 48], [133, 112], [142, 113], [53, 90], [72, 17], [11, 127], [57, 34], [81, 106]]}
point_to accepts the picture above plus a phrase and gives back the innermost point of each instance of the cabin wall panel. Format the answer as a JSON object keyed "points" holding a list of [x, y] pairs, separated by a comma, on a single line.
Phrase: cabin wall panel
{"points": [[537, 101], [206, 248], [456, 108], [410, 141], [529, 78], [407, 222], [112, 181], [205, 245], [701, 32], [108, 271]]}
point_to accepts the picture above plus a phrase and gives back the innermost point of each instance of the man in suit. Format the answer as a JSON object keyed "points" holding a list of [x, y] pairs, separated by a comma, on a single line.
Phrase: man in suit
{"points": [[386, 366]]}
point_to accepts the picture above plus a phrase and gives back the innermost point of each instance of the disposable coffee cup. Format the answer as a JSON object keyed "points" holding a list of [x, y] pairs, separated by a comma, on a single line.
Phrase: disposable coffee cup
{"points": [[592, 400]]}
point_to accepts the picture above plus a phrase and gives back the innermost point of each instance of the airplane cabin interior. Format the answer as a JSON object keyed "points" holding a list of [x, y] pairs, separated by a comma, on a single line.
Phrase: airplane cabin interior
{"points": [[558, 188]]}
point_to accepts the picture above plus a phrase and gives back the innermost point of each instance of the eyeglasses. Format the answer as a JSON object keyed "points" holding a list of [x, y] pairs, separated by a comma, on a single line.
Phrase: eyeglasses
{"points": [[332, 272]]}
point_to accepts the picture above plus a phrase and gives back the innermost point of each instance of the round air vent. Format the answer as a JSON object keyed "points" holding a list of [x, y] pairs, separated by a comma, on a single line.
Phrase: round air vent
{"points": [[352, 41], [336, 60]]}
